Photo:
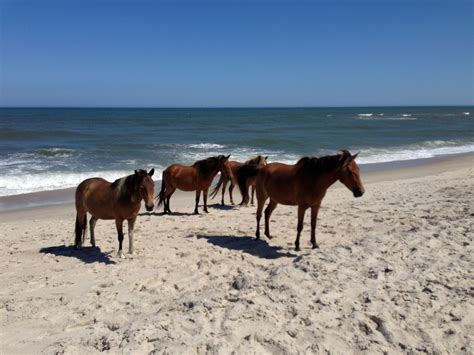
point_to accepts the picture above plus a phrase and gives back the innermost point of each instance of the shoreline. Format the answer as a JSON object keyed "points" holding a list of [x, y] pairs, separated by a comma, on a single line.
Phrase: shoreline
{"points": [[377, 172]]}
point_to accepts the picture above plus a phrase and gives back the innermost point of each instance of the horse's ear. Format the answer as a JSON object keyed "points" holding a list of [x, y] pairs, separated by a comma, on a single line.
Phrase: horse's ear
{"points": [[355, 156], [137, 172], [227, 157], [266, 158], [151, 172], [345, 158]]}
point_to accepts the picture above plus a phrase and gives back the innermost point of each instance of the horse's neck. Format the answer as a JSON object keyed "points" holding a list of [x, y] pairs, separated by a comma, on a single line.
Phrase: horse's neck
{"points": [[128, 197], [326, 179], [210, 175]]}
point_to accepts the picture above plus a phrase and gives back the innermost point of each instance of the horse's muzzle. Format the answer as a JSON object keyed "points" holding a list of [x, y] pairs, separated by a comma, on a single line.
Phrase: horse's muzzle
{"points": [[357, 192], [149, 208]]}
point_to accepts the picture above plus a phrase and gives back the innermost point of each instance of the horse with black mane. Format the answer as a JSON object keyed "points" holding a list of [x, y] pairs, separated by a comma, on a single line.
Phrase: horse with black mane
{"points": [[234, 167], [303, 184], [197, 177], [120, 200]]}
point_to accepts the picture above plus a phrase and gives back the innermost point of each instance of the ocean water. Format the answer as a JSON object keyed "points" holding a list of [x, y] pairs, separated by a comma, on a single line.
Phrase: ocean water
{"points": [[45, 149]]}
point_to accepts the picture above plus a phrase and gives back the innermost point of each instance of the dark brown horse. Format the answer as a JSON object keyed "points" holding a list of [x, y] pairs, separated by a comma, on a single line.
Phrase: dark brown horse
{"points": [[119, 200], [303, 184], [234, 166], [197, 177]]}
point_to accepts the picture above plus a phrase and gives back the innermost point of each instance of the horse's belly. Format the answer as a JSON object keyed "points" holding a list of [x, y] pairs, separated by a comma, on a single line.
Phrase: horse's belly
{"points": [[100, 214], [284, 201]]}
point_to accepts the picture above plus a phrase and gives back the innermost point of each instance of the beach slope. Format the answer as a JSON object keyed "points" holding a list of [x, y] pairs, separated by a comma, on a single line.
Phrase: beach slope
{"points": [[394, 273]]}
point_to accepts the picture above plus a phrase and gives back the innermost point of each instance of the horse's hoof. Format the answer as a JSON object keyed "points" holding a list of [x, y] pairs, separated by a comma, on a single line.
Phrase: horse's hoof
{"points": [[132, 252], [120, 255], [297, 249], [268, 236], [315, 246], [206, 211]]}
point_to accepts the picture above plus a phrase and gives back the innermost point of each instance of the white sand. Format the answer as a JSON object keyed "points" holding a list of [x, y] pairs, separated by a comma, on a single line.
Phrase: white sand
{"points": [[394, 273]]}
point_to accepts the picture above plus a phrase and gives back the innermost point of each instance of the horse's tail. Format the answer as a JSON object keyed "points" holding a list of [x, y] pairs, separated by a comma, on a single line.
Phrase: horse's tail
{"points": [[245, 172], [222, 179], [161, 196], [80, 230]]}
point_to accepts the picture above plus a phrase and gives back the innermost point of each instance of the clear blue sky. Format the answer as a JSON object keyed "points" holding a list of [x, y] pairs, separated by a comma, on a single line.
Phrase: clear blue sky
{"points": [[236, 53]]}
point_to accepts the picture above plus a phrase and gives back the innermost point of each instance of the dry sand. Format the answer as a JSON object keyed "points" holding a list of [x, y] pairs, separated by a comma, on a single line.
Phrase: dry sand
{"points": [[394, 274]]}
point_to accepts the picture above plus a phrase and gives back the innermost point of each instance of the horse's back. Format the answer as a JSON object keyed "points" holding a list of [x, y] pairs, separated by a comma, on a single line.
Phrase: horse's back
{"points": [[92, 195], [278, 181], [181, 176]]}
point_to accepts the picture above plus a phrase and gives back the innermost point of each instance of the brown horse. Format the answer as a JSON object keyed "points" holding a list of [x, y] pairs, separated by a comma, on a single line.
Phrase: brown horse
{"points": [[303, 184], [119, 200], [197, 177], [234, 166]]}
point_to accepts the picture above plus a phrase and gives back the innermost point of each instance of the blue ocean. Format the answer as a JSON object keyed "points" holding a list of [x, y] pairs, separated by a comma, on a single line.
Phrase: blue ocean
{"points": [[52, 148]]}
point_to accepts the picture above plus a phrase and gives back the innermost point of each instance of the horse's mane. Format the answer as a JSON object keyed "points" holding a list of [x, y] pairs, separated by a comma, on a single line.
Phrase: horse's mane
{"points": [[127, 185], [207, 165], [320, 164], [255, 160]]}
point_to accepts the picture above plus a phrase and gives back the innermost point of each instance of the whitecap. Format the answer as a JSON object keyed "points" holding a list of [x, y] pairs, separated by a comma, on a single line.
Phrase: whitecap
{"points": [[428, 149], [206, 146]]}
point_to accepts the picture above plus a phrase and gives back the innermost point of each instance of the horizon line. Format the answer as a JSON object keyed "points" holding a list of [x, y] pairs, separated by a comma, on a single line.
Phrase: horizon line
{"points": [[225, 107]]}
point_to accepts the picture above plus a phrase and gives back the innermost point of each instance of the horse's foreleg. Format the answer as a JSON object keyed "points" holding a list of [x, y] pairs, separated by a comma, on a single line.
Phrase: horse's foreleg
{"points": [[268, 212], [299, 228], [224, 185], [204, 197], [314, 218], [131, 224], [119, 225], [198, 194], [253, 193], [92, 223], [231, 188]]}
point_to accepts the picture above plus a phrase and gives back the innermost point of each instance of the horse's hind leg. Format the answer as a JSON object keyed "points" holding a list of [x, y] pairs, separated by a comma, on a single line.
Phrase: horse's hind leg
{"points": [[299, 228], [268, 212], [119, 225], [231, 188], [198, 195], [204, 197], [131, 225], [224, 185], [80, 229], [253, 193], [261, 198], [167, 201], [314, 218], [92, 223]]}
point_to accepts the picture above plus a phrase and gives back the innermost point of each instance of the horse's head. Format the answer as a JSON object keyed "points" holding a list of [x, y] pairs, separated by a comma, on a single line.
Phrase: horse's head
{"points": [[261, 160], [223, 165], [146, 187], [349, 173]]}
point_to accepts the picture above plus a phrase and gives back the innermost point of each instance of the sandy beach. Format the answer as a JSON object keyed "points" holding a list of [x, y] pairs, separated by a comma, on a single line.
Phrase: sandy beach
{"points": [[394, 274]]}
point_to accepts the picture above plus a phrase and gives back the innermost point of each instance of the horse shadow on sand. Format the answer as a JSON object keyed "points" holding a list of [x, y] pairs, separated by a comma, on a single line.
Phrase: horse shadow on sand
{"points": [[248, 245], [156, 214], [216, 206], [87, 255]]}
